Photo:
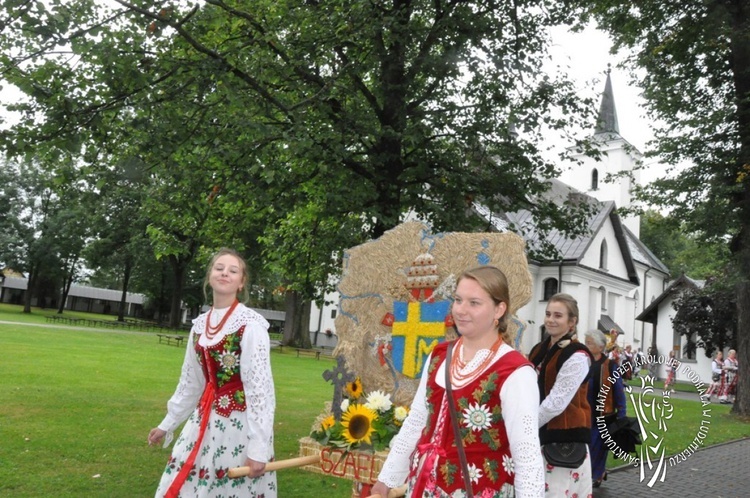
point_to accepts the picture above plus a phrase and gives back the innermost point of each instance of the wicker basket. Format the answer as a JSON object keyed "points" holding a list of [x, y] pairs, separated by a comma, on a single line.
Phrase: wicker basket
{"points": [[355, 465]]}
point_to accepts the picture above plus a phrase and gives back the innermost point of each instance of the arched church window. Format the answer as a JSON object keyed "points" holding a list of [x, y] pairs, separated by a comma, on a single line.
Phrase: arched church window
{"points": [[550, 288], [603, 255], [594, 179]]}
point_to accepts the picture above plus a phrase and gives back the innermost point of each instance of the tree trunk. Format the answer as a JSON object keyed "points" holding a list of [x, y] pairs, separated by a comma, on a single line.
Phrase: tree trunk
{"points": [[296, 324], [178, 269], [125, 282], [30, 288], [67, 283], [742, 399], [63, 296], [739, 43]]}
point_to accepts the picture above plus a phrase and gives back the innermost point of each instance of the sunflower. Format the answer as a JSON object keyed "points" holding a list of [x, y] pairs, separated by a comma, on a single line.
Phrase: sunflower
{"points": [[327, 422], [357, 422], [354, 389]]}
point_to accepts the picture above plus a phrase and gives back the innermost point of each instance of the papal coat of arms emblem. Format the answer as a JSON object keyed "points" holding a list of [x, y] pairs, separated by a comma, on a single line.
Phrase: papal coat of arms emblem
{"points": [[419, 324]]}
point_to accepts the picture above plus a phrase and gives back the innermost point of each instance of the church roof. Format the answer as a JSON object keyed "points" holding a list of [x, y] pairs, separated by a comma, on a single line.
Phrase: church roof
{"points": [[569, 248], [683, 282], [643, 254], [606, 122]]}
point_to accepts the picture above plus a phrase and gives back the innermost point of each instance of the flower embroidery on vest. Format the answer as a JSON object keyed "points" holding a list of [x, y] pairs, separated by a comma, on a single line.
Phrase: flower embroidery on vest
{"points": [[477, 417]]}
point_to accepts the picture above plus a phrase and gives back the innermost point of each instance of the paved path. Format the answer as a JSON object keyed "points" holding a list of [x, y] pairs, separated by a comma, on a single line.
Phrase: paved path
{"points": [[76, 327], [719, 471]]}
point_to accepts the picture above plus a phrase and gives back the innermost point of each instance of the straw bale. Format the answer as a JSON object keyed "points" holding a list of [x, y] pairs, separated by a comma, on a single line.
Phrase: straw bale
{"points": [[375, 275]]}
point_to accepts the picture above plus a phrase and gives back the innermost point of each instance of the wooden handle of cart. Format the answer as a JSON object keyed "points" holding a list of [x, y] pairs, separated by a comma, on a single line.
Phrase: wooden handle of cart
{"points": [[277, 465], [393, 493]]}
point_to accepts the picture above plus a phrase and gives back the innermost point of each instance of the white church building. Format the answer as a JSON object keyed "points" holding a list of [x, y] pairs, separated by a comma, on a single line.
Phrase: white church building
{"points": [[614, 277]]}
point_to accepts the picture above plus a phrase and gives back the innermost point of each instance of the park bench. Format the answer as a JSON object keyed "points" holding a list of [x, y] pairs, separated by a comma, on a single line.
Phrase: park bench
{"points": [[326, 351], [168, 338], [276, 339], [308, 352], [128, 324], [317, 353]]}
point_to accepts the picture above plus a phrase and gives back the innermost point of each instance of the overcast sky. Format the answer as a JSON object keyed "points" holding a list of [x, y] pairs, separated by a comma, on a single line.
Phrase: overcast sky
{"points": [[587, 54]]}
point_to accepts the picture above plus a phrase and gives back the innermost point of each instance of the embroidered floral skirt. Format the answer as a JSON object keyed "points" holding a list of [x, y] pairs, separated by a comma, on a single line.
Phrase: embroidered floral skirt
{"points": [[562, 482], [507, 491], [223, 447]]}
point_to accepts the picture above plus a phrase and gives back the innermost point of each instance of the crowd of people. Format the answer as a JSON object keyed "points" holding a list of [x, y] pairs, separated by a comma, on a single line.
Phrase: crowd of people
{"points": [[485, 418], [723, 377]]}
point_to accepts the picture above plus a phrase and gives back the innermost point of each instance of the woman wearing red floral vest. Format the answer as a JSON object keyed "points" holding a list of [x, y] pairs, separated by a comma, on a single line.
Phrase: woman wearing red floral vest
{"points": [[564, 414], [496, 402], [226, 390]]}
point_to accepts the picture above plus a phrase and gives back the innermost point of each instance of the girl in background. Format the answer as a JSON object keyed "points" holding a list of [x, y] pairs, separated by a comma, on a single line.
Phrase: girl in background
{"points": [[564, 414], [226, 393]]}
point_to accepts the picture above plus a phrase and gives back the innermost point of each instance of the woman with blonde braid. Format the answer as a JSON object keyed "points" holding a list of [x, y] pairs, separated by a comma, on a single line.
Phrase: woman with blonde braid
{"points": [[564, 414]]}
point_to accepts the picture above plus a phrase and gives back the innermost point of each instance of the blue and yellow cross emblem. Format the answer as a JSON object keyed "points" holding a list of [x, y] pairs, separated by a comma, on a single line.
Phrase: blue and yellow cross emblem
{"points": [[417, 328]]}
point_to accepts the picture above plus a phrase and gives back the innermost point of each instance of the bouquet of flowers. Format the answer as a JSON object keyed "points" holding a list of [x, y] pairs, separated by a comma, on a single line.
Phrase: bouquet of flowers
{"points": [[367, 421]]}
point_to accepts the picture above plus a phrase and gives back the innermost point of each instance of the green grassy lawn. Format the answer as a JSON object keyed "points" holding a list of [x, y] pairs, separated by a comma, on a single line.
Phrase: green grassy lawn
{"points": [[76, 407], [682, 386]]}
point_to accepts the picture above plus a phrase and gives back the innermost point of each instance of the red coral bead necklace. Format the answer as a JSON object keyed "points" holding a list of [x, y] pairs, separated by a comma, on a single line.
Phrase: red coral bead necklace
{"points": [[211, 331], [457, 364]]}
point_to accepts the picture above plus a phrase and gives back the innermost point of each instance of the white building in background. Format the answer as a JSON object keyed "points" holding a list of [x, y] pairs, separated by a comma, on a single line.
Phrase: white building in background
{"points": [[614, 277], [80, 298], [609, 271], [659, 315]]}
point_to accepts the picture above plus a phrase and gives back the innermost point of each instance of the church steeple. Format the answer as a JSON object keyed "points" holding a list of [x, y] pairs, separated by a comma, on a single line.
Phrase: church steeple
{"points": [[613, 175], [607, 119]]}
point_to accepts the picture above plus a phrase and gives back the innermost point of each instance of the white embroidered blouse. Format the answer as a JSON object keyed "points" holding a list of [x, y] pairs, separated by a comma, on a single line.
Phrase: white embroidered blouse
{"points": [[255, 372], [572, 373]]}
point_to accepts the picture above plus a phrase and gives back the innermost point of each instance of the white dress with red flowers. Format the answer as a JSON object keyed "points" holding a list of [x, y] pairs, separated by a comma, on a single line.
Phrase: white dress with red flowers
{"points": [[240, 368]]}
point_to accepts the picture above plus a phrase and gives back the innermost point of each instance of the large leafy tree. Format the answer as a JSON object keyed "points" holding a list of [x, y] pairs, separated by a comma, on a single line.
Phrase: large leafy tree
{"points": [[681, 251], [707, 317], [398, 106], [119, 245], [695, 62], [45, 226], [311, 124]]}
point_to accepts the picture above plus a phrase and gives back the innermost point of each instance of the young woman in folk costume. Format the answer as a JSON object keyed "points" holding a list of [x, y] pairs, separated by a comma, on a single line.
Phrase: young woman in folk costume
{"points": [[564, 414], [717, 374], [729, 380], [496, 403], [226, 393]]}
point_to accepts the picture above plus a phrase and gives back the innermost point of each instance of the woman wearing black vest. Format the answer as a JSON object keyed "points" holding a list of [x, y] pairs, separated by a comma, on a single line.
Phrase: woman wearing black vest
{"points": [[564, 413], [607, 400]]}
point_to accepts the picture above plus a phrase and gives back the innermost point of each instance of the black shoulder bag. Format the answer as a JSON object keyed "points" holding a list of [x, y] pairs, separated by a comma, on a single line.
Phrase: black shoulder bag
{"points": [[456, 428], [567, 455]]}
